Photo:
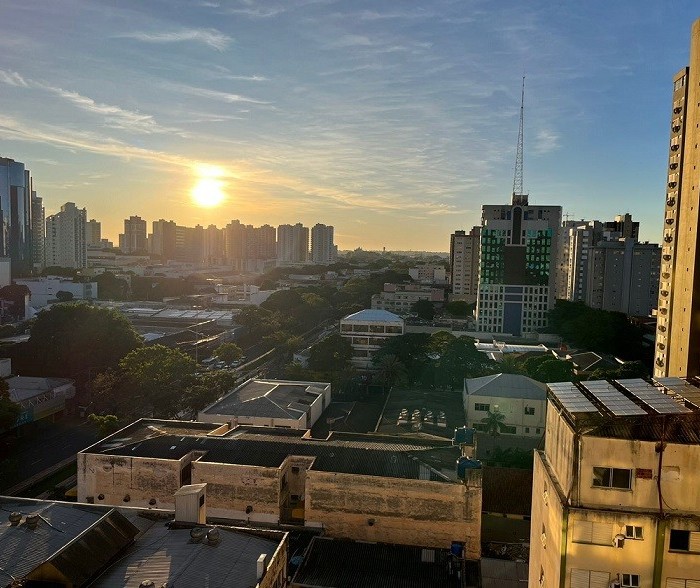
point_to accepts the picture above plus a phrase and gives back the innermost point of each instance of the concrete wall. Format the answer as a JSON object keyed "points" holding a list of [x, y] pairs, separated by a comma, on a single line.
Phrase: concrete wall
{"points": [[141, 479], [559, 447], [254, 421], [407, 512], [232, 488]]}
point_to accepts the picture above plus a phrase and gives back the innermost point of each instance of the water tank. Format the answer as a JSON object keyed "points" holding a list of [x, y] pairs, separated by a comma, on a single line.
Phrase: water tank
{"points": [[456, 549], [464, 464], [463, 436]]}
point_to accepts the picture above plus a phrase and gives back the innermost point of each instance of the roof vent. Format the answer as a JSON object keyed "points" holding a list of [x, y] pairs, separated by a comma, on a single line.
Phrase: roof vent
{"points": [[32, 521], [213, 536], [15, 518], [147, 584], [197, 534]]}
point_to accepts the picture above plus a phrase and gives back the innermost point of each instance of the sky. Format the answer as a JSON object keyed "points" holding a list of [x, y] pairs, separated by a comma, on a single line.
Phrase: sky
{"points": [[394, 121]]}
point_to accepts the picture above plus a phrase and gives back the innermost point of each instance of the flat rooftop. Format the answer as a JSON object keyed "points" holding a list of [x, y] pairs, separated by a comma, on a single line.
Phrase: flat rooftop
{"points": [[351, 453], [632, 408], [269, 399]]}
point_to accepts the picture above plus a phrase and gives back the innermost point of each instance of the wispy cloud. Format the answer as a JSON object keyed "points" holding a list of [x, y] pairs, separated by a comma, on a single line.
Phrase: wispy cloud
{"points": [[210, 37], [546, 141], [12, 78], [213, 94]]}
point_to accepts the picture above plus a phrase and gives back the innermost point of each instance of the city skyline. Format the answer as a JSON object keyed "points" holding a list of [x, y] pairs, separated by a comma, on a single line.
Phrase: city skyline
{"points": [[391, 121]]}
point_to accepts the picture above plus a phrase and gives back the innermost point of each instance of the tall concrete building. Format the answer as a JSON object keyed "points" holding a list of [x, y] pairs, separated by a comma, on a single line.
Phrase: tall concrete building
{"points": [[292, 244], [517, 266], [323, 250], [16, 215], [38, 231], [162, 240], [133, 240], [678, 324], [623, 276], [93, 233], [464, 264], [65, 244]]}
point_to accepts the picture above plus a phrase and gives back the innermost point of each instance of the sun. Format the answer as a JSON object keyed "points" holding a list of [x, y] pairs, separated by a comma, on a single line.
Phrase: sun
{"points": [[209, 189]]}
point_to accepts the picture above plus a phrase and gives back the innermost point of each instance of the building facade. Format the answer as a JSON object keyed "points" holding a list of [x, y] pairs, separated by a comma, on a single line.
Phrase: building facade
{"points": [[368, 331], [678, 328], [323, 250], [464, 264], [16, 209], [93, 233], [517, 267], [615, 500], [292, 244], [623, 276], [133, 240], [43, 290], [38, 232], [427, 274], [400, 298], [65, 243]]}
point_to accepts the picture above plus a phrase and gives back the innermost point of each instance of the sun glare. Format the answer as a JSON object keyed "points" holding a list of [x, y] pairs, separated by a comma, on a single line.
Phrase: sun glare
{"points": [[209, 189]]}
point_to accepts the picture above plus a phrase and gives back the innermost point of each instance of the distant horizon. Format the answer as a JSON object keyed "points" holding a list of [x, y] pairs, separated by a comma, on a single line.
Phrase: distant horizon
{"points": [[392, 121]]}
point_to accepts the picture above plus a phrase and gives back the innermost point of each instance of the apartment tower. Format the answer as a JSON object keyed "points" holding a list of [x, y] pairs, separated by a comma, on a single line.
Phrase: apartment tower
{"points": [[678, 325], [464, 264], [65, 244], [323, 250]]}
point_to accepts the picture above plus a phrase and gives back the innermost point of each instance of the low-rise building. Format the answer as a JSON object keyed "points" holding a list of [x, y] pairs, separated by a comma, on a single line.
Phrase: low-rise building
{"points": [[44, 290], [39, 398], [615, 498], [521, 400], [271, 403], [368, 331], [360, 487], [428, 274], [400, 298]]}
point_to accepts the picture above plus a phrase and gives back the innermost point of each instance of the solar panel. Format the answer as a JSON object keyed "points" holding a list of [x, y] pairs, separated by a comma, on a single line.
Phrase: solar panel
{"points": [[610, 397], [652, 396], [682, 388], [571, 398]]}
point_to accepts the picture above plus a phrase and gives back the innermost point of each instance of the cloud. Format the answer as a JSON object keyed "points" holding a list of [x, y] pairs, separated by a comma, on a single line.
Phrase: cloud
{"points": [[12, 78], [213, 94], [210, 37], [546, 141]]}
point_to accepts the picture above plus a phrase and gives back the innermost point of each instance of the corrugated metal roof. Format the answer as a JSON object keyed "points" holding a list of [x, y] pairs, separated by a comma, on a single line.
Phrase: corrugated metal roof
{"points": [[169, 557], [507, 386], [374, 316]]}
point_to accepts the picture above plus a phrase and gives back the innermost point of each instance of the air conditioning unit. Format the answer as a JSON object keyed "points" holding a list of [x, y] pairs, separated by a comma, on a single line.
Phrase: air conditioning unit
{"points": [[619, 541]]}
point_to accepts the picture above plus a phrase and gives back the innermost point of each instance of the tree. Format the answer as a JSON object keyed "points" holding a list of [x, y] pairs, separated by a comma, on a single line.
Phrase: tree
{"points": [[412, 351], [424, 309], [157, 377], [68, 338], [228, 352], [459, 308], [9, 410], [106, 424], [331, 354], [493, 422], [207, 387], [391, 371], [460, 360], [109, 287]]}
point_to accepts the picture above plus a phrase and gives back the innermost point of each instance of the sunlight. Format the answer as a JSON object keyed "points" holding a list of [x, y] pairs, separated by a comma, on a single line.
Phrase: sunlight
{"points": [[209, 189]]}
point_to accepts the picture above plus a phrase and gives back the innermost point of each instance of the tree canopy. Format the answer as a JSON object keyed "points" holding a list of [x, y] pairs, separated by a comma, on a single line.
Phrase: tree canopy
{"points": [[424, 309], [69, 338], [228, 352], [331, 354]]}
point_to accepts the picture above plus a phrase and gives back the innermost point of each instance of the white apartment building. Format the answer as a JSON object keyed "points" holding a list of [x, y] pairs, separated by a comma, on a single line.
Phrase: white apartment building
{"points": [[65, 243], [367, 331], [400, 298], [292, 244], [323, 250], [44, 290], [615, 498], [428, 274]]}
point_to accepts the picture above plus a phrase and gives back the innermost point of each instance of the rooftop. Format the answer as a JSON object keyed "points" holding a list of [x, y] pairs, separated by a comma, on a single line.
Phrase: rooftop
{"points": [[634, 408], [24, 387], [506, 386], [269, 398], [334, 563], [351, 453], [374, 316]]}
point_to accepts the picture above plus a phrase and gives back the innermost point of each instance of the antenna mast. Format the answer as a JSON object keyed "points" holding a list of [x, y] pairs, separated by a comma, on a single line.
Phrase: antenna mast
{"points": [[518, 196]]}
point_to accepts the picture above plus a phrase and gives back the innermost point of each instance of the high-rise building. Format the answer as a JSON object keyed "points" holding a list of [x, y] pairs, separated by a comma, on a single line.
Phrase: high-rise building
{"points": [[133, 240], [464, 264], [38, 231], [623, 276], [16, 215], [292, 243], [213, 252], [678, 321], [65, 244], [93, 234], [162, 241], [323, 250], [517, 266]]}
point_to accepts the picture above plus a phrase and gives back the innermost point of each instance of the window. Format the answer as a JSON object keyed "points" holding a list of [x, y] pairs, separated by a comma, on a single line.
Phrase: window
{"points": [[630, 580], [681, 540], [589, 579], [530, 410], [481, 407], [632, 532], [508, 429], [592, 532], [612, 478]]}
